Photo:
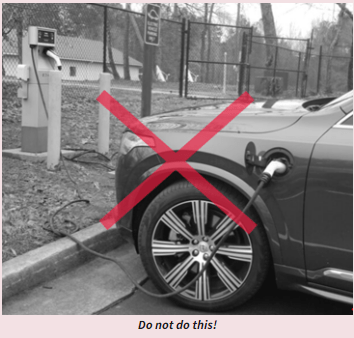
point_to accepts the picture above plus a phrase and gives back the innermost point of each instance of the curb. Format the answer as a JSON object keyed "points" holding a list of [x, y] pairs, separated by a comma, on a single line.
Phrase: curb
{"points": [[32, 157], [51, 260]]}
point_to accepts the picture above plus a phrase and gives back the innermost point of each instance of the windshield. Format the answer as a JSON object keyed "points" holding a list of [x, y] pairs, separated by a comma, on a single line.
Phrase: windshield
{"points": [[340, 99]]}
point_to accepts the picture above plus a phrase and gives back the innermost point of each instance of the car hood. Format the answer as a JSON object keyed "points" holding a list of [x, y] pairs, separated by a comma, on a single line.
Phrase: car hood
{"points": [[252, 120]]}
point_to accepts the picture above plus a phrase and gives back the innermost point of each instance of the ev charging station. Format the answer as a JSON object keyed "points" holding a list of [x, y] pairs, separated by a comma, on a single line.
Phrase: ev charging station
{"points": [[40, 93]]}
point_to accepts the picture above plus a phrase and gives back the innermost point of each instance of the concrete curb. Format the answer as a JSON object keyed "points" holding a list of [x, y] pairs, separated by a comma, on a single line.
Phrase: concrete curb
{"points": [[40, 157], [48, 262]]}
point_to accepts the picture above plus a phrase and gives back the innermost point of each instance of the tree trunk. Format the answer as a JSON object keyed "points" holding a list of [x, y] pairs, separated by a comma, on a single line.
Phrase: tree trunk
{"points": [[328, 87], [126, 46], [269, 30], [202, 49], [110, 55]]}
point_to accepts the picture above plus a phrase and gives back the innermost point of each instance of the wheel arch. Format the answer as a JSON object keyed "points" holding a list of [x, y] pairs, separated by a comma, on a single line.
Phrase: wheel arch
{"points": [[222, 176]]}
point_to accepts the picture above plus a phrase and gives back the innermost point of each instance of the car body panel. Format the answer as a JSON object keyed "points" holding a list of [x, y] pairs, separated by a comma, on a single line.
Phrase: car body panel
{"points": [[328, 220]]}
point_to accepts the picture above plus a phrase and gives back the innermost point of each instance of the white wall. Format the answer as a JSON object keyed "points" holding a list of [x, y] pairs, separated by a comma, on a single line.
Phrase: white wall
{"points": [[85, 71]]}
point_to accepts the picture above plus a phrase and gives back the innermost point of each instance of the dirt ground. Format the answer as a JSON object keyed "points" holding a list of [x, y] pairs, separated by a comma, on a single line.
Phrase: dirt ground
{"points": [[31, 194]]}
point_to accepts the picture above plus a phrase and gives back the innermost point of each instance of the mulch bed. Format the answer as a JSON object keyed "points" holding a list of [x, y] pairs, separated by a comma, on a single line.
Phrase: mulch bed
{"points": [[31, 193]]}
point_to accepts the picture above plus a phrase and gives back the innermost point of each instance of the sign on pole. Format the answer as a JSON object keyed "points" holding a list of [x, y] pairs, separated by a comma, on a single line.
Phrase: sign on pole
{"points": [[152, 25]]}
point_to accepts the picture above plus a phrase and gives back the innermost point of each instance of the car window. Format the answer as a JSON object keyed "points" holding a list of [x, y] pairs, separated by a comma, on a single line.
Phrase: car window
{"points": [[346, 122]]}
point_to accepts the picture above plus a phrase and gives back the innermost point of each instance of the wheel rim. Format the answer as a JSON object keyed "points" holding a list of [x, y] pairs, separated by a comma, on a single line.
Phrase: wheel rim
{"points": [[183, 239]]}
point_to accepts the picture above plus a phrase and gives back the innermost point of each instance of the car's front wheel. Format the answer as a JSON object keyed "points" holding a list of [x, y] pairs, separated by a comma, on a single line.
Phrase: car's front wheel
{"points": [[178, 232]]}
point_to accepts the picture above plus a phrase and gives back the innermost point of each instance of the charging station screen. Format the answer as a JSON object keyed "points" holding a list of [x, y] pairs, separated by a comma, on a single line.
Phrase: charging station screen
{"points": [[46, 37]]}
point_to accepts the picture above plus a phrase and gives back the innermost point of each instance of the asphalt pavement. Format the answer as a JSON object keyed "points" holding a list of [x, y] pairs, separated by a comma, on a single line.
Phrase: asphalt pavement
{"points": [[268, 301]]}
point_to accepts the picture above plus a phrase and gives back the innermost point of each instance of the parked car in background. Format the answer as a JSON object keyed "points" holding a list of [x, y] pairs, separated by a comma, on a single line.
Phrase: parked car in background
{"points": [[304, 232]]}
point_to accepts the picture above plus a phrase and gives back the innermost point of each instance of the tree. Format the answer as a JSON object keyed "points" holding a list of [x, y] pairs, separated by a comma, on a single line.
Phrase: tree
{"points": [[110, 55], [350, 68], [270, 31], [338, 30]]}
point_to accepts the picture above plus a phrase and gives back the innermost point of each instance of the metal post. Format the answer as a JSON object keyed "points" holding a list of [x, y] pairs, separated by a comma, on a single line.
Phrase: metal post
{"points": [[187, 58], [225, 70], [298, 73], [248, 78], [319, 70], [148, 65], [103, 115], [305, 71], [243, 61], [250, 42], [54, 119], [104, 39], [183, 28], [274, 71]]}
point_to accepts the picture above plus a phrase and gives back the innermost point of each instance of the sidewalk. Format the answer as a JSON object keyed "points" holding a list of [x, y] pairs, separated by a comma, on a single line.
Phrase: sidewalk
{"points": [[88, 289], [61, 278]]}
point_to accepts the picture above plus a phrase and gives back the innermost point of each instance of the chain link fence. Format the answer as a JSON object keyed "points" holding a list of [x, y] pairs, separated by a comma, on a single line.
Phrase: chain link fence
{"points": [[212, 60], [330, 74], [93, 38], [275, 68]]}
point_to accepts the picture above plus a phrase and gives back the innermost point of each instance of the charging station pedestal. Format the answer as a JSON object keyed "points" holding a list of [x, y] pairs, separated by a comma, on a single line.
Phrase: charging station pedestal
{"points": [[34, 120]]}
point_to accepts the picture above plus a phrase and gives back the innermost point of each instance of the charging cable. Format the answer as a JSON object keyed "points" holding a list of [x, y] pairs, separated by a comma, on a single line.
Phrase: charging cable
{"points": [[275, 166]]}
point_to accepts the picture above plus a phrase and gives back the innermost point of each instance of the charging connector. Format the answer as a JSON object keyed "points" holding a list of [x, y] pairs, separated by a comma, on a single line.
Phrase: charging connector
{"points": [[50, 53], [274, 167]]}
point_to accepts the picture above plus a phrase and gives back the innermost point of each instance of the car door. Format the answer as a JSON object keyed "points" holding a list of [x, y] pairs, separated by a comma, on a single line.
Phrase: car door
{"points": [[328, 218]]}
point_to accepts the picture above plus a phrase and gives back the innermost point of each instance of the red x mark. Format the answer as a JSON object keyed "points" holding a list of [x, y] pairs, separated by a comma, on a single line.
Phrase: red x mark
{"points": [[171, 158]]}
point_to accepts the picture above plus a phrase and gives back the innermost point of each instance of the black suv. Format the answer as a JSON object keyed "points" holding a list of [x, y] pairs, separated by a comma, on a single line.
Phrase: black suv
{"points": [[304, 216]]}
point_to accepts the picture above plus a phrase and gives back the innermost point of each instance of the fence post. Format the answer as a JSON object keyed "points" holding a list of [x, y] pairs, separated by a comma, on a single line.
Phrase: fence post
{"points": [[103, 116], [305, 72], [104, 39], [187, 58], [54, 119], [225, 70], [183, 25], [250, 42], [248, 78], [319, 70], [298, 74], [242, 66]]}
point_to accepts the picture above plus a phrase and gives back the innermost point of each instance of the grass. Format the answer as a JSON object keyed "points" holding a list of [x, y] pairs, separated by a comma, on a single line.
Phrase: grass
{"points": [[31, 193]]}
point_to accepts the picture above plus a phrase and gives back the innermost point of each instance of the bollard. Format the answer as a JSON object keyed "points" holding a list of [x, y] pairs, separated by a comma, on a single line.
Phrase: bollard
{"points": [[54, 119], [104, 114]]}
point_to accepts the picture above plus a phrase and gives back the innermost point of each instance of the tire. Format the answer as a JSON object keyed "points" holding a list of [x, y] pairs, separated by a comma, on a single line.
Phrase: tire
{"points": [[173, 223]]}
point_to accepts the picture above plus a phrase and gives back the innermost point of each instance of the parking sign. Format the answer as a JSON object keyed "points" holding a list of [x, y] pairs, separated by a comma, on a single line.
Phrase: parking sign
{"points": [[152, 25]]}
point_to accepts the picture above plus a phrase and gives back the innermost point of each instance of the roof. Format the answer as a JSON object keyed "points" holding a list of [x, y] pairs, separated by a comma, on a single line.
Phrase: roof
{"points": [[74, 48]]}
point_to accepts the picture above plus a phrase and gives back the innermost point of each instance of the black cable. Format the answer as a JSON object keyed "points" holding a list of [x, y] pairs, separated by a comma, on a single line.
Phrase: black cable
{"points": [[174, 293], [39, 85]]}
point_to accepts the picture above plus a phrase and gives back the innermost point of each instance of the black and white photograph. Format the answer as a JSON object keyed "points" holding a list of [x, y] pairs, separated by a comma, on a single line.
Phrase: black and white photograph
{"points": [[177, 159]]}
